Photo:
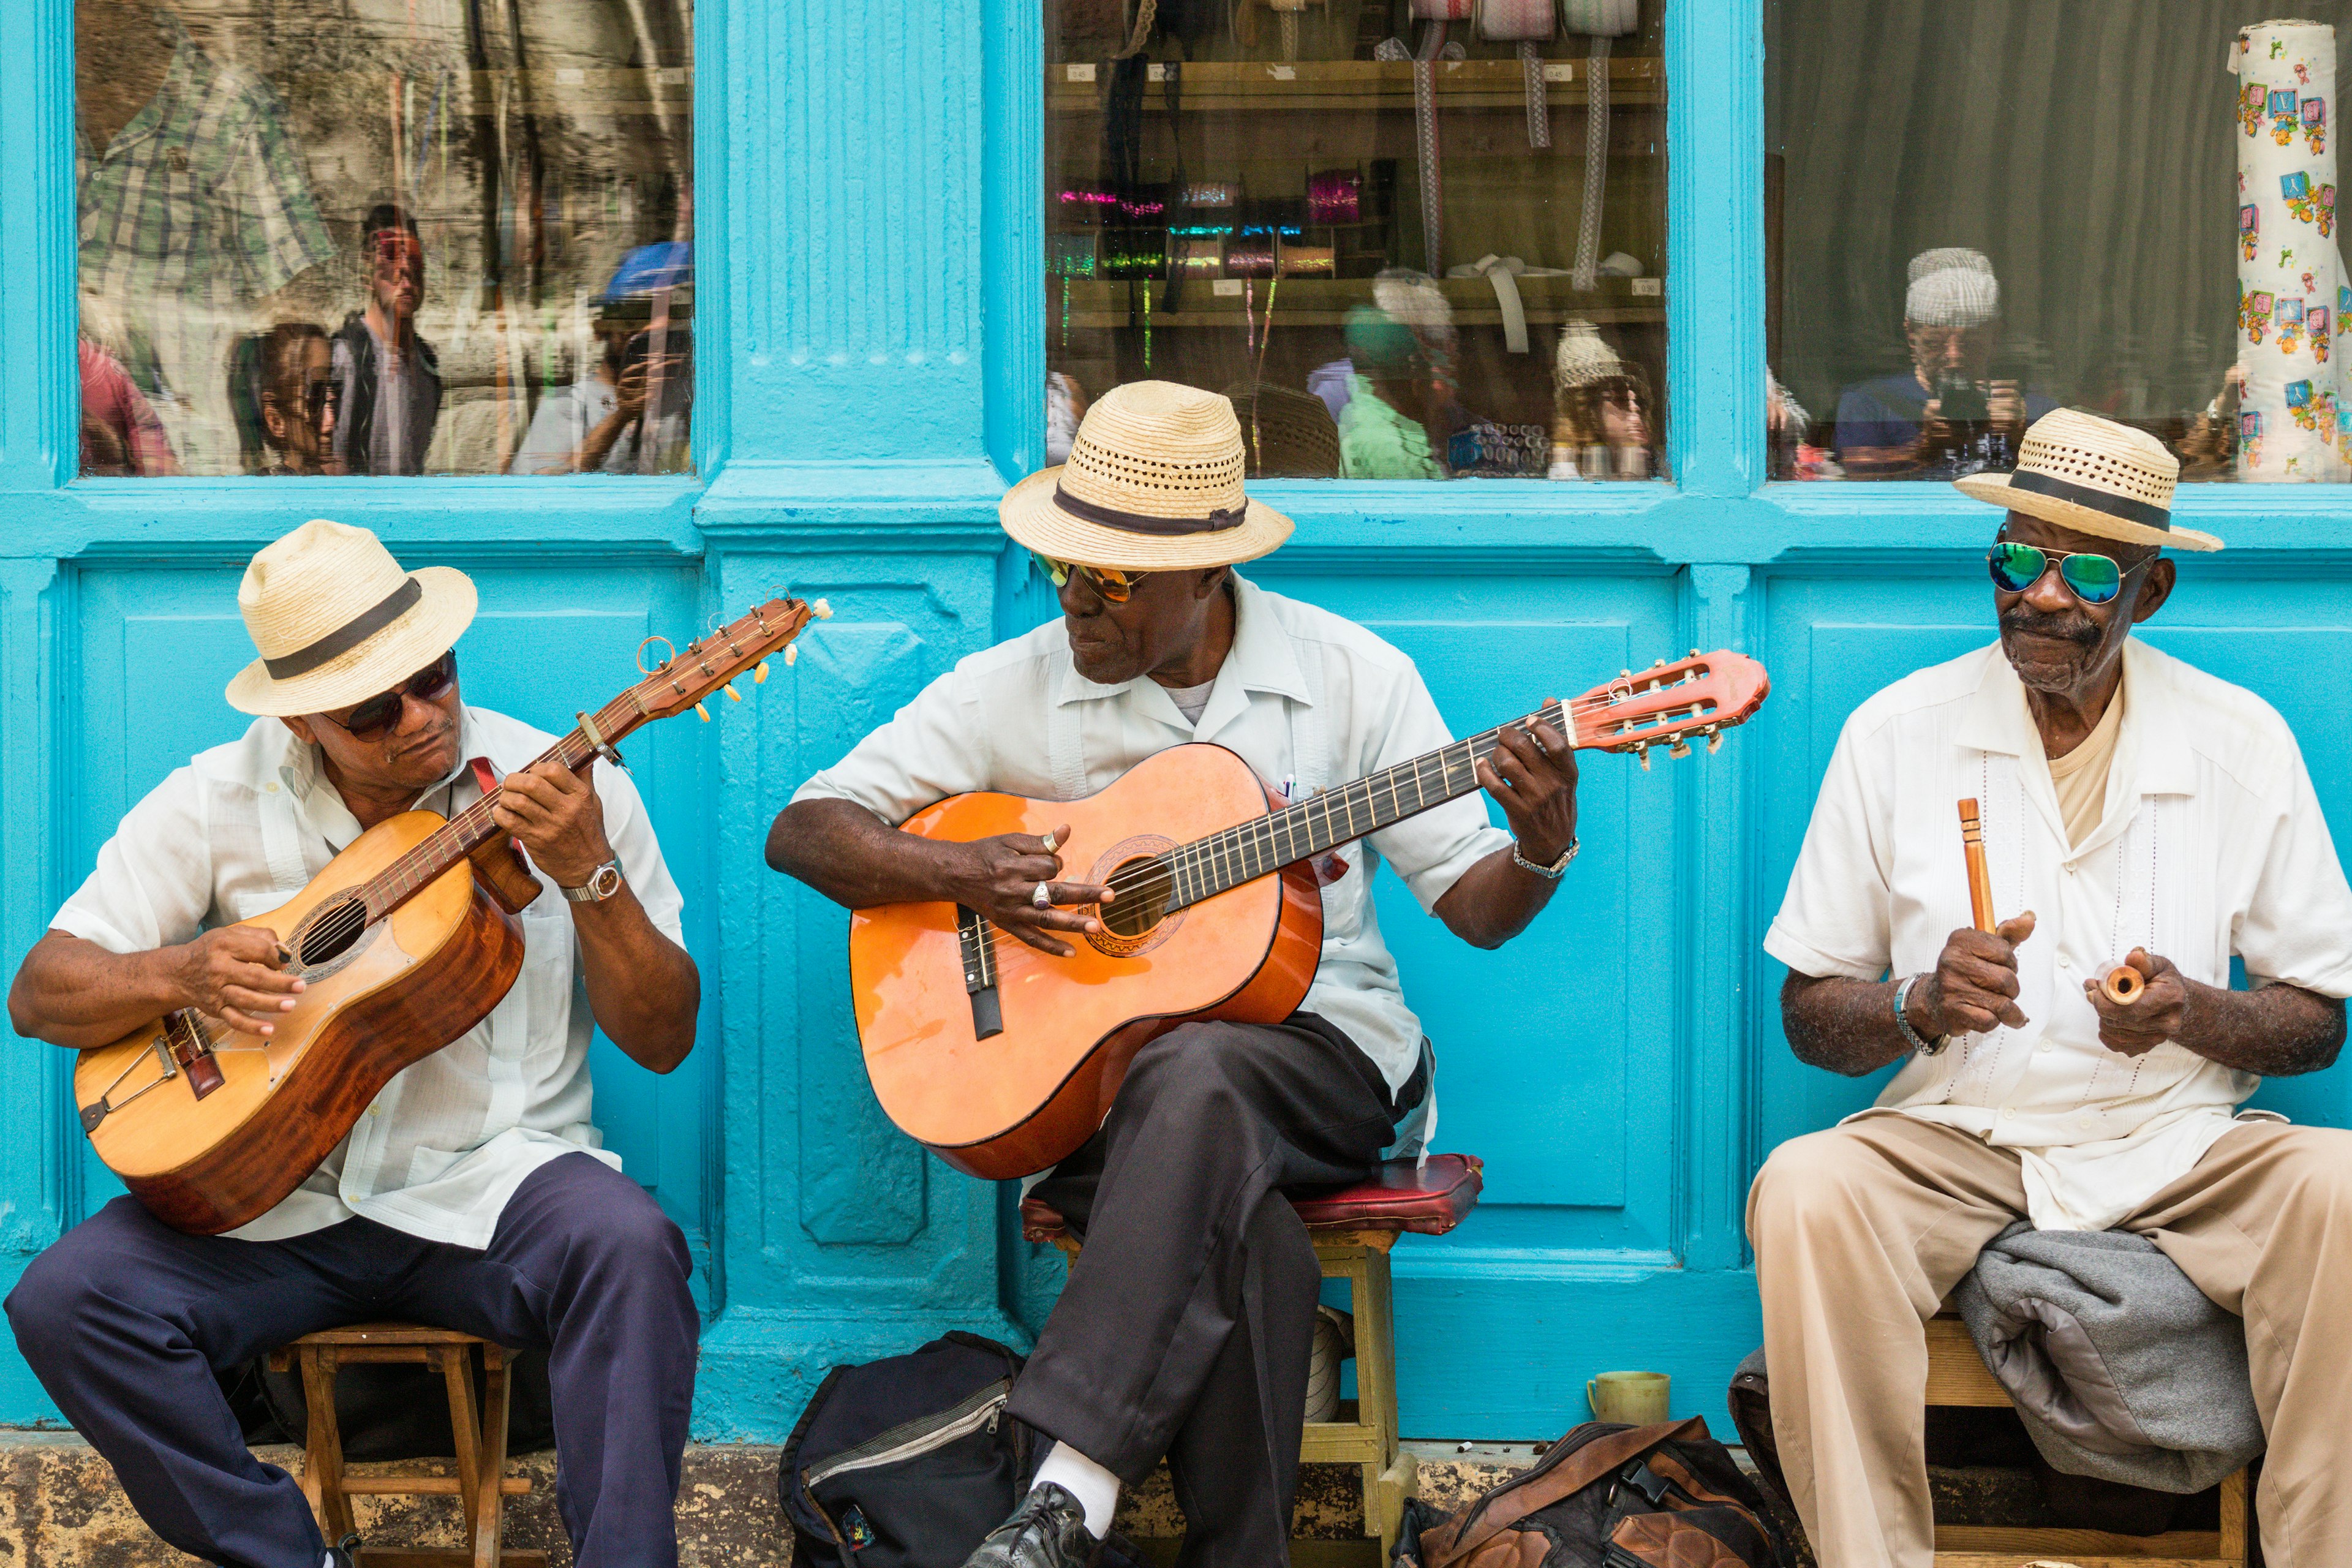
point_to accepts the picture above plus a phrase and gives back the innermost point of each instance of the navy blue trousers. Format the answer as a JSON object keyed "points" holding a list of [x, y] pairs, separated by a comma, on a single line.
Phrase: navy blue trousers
{"points": [[124, 1320]]}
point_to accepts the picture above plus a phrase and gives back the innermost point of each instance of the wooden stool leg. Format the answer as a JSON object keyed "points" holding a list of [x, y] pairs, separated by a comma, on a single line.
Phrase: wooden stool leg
{"points": [[490, 1517], [322, 1456], [2237, 1502], [1376, 1394], [464, 1426]]}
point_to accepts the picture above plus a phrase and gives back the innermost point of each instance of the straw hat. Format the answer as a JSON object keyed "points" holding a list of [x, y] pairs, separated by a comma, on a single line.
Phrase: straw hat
{"points": [[2096, 476], [337, 620], [1153, 483]]}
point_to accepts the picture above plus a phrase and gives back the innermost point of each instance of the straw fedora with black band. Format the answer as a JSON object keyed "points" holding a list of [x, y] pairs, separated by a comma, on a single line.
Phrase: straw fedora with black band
{"points": [[2096, 476], [1153, 484], [337, 621]]}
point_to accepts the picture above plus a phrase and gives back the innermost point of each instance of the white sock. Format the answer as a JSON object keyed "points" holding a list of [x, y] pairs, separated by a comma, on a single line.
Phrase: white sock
{"points": [[1096, 1489]]}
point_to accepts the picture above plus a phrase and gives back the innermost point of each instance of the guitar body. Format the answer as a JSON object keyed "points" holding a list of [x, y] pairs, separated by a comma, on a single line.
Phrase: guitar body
{"points": [[1023, 1099], [407, 986]]}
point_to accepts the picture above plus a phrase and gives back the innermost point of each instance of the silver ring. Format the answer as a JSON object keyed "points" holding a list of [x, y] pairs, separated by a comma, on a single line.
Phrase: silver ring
{"points": [[1043, 898], [1048, 842]]}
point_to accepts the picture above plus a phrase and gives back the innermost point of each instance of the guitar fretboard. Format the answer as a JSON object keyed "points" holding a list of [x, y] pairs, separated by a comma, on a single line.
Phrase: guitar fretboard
{"points": [[1207, 867]]}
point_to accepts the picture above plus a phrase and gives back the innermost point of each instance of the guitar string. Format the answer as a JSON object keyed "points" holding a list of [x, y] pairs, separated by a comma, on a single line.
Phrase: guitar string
{"points": [[1203, 854]]}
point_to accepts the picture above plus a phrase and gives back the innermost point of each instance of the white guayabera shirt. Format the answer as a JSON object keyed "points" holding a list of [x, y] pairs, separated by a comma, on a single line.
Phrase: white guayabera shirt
{"points": [[243, 828], [1307, 699], [2210, 843]]}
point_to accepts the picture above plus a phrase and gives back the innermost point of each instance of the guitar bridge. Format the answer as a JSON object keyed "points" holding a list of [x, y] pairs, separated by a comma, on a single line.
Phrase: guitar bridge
{"points": [[978, 948], [193, 1049]]}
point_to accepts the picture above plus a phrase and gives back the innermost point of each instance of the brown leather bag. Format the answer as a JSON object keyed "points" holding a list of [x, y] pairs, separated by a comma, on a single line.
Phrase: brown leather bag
{"points": [[1606, 1496]]}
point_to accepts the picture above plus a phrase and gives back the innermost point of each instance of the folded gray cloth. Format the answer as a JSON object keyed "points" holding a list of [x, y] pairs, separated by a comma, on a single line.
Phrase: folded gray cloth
{"points": [[2120, 1367]]}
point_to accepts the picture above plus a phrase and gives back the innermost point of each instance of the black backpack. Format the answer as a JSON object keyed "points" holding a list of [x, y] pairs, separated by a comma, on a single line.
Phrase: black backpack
{"points": [[1607, 1496], [907, 1462]]}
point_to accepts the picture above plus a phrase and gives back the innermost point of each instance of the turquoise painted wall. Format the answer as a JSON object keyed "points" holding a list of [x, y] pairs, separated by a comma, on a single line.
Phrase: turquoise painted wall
{"points": [[872, 346]]}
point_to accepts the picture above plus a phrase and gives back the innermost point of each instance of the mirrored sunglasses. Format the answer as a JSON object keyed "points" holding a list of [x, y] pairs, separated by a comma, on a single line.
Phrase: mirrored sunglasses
{"points": [[2094, 579], [1115, 585], [379, 713]]}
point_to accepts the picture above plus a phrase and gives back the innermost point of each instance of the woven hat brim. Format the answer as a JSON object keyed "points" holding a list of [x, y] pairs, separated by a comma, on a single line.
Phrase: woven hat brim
{"points": [[1030, 515], [426, 632], [1995, 490]]}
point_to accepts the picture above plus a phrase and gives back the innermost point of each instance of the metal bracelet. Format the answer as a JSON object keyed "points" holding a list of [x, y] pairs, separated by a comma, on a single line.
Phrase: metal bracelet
{"points": [[1924, 1047], [1553, 872]]}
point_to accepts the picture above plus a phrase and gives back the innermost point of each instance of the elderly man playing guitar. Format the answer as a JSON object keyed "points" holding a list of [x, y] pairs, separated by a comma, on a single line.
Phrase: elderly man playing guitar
{"points": [[1186, 1328], [472, 1195]]}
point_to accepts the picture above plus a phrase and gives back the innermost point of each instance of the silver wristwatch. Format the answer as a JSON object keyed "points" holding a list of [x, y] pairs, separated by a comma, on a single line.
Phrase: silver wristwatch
{"points": [[601, 884], [1918, 1042], [1550, 873]]}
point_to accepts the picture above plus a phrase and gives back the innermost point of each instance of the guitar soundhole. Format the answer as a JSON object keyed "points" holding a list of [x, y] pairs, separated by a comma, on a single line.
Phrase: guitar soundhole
{"points": [[1138, 919], [330, 937]]}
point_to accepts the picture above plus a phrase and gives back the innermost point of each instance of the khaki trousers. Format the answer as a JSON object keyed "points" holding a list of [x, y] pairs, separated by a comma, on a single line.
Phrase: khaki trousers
{"points": [[1861, 1231]]}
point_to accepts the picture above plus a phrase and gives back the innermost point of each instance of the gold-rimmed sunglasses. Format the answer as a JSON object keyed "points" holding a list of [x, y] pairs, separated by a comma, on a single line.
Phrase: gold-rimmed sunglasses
{"points": [[1115, 585]]}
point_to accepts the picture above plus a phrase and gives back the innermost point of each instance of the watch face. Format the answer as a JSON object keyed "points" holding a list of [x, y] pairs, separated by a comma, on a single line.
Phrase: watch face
{"points": [[606, 882]]}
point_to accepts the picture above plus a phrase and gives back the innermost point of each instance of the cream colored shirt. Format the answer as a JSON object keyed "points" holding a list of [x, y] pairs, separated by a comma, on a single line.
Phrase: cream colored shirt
{"points": [[243, 827], [2210, 843], [1308, 699], [2080, 777]]}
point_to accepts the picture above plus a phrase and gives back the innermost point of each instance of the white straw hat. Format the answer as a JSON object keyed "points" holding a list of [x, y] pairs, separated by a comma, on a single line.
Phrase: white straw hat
{"points": [[2096, 476], [1153, 483], [337, 620]]}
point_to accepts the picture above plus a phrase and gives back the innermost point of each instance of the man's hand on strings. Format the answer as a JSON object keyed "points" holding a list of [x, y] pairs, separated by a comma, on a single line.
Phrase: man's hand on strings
{"points": [[559, 818], [2159, 1013], [232, 973], [1531, 773], [1974, 988], [999, 878]]}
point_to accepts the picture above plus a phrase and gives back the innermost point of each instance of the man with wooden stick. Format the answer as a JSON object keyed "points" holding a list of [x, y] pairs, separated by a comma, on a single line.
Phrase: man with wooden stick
{"points": [[2136, 812]]}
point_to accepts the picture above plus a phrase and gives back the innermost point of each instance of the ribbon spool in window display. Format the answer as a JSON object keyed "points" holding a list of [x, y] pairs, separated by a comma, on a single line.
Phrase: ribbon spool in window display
{"points": [[1435, 15], [1529, 25], [2289, 269], [1601, 20]]}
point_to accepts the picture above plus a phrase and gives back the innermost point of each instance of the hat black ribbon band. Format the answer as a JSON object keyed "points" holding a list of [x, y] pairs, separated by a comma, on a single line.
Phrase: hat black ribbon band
{"points": [[2114, 505], [348, 635], [1144, 523]]}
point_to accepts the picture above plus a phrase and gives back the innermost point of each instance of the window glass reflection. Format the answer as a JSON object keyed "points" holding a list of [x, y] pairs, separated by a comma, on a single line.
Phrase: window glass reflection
{"points": [[436, 237]]}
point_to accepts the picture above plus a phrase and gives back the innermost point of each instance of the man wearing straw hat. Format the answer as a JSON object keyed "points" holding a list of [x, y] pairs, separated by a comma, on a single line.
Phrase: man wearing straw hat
{"points": [[2135, 812], [1186, 1326], [474, 1194]]}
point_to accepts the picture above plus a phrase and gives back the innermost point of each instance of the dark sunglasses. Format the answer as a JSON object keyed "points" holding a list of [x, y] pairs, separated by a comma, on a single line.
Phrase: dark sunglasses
{"points": [[2094, 579], [319, 397], [1115, 585], [382, 711]]}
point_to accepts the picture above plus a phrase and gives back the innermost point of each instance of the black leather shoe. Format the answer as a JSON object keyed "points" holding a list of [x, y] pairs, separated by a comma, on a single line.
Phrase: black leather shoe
{"points": [[1048, 1531], [344, 1553]]}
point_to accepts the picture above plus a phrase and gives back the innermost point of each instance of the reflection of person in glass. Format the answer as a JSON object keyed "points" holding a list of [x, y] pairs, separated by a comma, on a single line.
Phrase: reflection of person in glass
{"points": [[1945, 416], [293, 395], [194, 211], [1384, 432], [120, 436], [1600, 422], [388, 378], [597, 424]]}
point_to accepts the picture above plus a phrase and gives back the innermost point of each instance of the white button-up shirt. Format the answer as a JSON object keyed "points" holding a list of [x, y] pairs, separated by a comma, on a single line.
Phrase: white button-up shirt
{"points": [[1308, 699], [2211, 843], [243, 827]]}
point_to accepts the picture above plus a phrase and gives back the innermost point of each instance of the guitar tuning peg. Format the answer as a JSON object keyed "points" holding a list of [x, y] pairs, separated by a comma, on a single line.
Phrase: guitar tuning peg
{"points": [[1679, 750], [760, 674], [1694, 653], [792, 652], [821, 610], [701, 712], [732, 695], [1659, 665], [1714, 741], [1644, 752]]}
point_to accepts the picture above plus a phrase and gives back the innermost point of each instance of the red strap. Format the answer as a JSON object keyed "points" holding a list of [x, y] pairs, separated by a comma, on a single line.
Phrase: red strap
{"points": [[489, 782]]}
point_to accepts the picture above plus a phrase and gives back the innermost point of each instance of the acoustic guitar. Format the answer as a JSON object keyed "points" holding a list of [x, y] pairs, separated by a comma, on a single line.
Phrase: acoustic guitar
{"points": [[405, 941], [1003, 1059]]}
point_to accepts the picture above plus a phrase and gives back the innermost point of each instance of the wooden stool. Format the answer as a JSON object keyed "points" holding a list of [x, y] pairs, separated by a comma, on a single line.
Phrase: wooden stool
{"points": [[1957, 1375], [481, 1486], [1352, 1229]]}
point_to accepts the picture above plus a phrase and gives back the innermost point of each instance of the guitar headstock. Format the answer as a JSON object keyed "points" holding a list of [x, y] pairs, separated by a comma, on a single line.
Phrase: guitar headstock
{"points": [[708, 663], [1669, 702]]}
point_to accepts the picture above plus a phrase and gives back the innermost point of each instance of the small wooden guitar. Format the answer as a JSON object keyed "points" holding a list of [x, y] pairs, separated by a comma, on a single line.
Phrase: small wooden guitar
{"points": [[1003, 1059], [405, 941]]}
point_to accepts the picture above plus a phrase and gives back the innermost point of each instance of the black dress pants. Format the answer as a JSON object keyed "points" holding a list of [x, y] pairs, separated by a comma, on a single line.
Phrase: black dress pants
{"points": [[1189, 1318], [124, 1320]]}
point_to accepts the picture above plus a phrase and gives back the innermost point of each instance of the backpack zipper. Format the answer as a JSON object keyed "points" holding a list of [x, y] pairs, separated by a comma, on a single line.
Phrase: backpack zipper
{"points": [[984, 1408]]}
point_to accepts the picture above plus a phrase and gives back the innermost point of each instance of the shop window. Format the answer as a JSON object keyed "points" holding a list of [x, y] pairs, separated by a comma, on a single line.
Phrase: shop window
{"points": [[1409, 238], [454, 237], [1978, 213]]}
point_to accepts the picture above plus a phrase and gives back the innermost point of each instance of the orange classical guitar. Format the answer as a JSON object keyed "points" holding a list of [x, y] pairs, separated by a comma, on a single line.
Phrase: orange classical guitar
{"points": [[405, 941], [1003, 1059]]}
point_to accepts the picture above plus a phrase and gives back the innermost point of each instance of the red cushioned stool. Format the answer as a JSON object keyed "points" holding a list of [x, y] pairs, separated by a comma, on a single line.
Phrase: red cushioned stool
{"points": [[1353, 1228]]}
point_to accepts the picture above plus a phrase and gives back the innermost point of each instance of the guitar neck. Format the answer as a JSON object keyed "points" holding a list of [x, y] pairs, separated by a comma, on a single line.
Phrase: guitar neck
{"points": [[1207, 867], [471, 828]]}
